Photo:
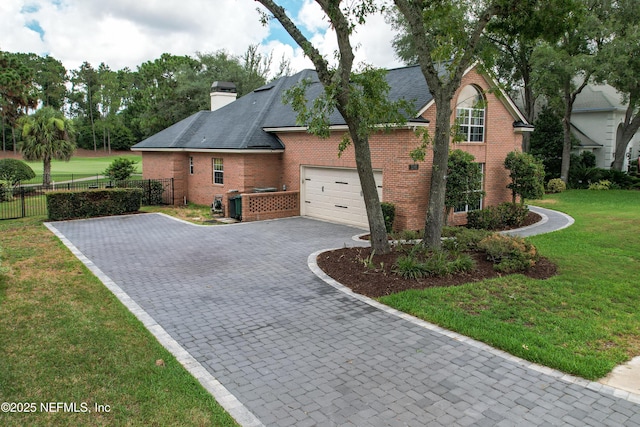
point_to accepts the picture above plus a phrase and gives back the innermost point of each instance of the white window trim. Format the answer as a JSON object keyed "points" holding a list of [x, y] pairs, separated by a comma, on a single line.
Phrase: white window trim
{"points": [[218, 172], [190, 165], [466, 207], [467, 123]]}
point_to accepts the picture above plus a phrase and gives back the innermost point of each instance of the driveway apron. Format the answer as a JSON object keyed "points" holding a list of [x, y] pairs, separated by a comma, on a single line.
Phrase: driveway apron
{"points": [[293, 350]]}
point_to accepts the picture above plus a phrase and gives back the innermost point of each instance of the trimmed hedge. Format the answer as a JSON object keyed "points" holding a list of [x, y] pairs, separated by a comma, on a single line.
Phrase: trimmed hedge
{"points": [[497, 217], [90, 203]]}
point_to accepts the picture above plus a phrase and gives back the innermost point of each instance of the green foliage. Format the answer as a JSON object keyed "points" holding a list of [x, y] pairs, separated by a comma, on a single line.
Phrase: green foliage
{"points": [[464, 180], [603, 184], [409, 267], [47, 135], [367, 100], [86, 204], [389, 214], [484, 219], [527, 176], [3, 270], [151, 191], [498, 217], [461, 239], [513, 215], [419, 263], [546, 141], [508, 253], [121, 169], [619, 180], [556, 185], [12, 171]]}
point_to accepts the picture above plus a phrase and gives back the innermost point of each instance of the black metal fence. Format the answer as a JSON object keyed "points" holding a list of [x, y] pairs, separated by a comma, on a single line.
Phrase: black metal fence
{"points": [[30, 200]]}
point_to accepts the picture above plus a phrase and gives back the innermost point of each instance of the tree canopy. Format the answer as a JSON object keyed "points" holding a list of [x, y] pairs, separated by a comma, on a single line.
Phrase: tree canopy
{"points": [[47, 135]]}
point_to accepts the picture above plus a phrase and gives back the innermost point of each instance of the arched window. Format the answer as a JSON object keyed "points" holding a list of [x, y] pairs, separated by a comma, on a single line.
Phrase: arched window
{"points": [[470, 115]]}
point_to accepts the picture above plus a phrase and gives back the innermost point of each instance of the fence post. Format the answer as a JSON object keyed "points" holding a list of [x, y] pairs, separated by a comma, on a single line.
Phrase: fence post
{"points": [[23, 203]]}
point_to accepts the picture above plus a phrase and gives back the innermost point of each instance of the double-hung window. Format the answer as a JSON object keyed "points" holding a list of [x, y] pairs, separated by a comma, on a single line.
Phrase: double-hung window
{"points": [[218, 171], [470, 115], [478, 204]]}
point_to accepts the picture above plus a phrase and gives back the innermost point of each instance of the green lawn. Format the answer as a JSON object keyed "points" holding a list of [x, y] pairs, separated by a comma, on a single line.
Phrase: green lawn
{"points": [[79, 167], [65, 338], [584, 321]]}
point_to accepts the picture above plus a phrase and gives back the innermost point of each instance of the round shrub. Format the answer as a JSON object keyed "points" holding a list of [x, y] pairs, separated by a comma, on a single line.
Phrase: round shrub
{"points": [[556, 185], [509, 254], [603, 184]]}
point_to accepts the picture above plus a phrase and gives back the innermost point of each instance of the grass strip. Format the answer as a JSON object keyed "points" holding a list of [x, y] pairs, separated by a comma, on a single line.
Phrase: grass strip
{"points": [[585, 320], [65, 338]]}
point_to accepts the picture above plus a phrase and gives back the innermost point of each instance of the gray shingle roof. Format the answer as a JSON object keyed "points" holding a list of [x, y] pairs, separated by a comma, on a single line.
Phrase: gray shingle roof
{"points": [[240, 124]]}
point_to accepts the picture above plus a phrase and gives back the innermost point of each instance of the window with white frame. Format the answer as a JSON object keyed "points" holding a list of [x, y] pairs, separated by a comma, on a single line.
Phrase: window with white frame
{"points": [[190, 165], [218, 171], [470, 115], [477, 206]]}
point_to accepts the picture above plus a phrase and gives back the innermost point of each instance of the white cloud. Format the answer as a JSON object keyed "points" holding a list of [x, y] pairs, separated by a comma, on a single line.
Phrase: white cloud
{"points": [[312, 17], [125, 33]]}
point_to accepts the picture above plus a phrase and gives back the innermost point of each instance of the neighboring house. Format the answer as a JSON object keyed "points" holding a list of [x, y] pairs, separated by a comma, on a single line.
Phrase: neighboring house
{"points": [[253, 147], [596, 120]]}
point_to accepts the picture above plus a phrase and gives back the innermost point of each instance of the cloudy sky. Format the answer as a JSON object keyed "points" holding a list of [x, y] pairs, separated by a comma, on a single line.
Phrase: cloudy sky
{"points": [[126, 33]]}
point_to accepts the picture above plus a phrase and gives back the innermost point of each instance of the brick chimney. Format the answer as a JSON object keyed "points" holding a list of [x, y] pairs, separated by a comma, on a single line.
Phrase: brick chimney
{"points": [[222, 93]]}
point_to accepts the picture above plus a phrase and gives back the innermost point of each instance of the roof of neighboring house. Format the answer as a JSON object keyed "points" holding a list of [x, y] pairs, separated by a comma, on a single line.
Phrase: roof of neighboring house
{"points": [[241, 124], [583, 140], [594, 98]]}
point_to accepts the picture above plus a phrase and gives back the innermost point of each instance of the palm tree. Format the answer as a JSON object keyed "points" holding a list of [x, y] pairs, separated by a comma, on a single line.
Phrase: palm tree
{"points": [[47, 135]]}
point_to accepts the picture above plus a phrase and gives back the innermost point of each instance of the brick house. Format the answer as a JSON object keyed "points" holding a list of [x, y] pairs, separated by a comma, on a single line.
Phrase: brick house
{"points": [[253, 147]]}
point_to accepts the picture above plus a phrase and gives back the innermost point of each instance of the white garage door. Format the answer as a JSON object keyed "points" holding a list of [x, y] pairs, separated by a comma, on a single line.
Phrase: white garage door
{"points": [[335, 195]]}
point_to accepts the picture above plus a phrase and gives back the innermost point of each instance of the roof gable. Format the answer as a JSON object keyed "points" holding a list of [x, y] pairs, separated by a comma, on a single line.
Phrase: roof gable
{"points": [[240, 125]]}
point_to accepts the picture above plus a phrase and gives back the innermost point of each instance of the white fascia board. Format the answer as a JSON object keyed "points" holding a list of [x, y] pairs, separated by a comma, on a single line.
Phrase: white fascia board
{"points": [[523, 129], [409, 125], [212, 150]]}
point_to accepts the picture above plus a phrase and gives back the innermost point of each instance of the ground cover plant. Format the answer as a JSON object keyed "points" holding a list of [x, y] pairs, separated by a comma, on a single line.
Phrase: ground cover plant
{"points": [[583, 321], [66, 338]]}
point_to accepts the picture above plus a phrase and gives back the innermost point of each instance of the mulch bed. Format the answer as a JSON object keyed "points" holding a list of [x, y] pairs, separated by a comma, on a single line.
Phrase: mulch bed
{"points": [[347, 266]]}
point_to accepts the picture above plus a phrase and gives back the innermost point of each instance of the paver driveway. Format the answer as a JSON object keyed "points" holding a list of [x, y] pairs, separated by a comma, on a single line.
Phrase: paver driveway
{"points": [[295, 351]]}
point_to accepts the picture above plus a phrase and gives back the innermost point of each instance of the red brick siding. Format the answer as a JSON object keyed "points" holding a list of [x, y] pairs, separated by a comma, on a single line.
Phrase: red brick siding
{"points": [[407, 189], [242, 172]]}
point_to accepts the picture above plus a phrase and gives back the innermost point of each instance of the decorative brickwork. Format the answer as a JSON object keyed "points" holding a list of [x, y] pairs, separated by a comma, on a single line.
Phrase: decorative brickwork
{"points": [[259, 206]]}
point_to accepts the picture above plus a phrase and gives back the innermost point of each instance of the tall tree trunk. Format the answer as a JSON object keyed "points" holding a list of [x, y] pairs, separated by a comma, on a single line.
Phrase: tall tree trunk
{"points": [[435, 212], [15, 144], [46, 172], [377, 229], [629, 128], [93, 126], [4, 136]]}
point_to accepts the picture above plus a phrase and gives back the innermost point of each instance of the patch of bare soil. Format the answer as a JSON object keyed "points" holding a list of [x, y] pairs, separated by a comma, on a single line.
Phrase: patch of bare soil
{"points": [[373, 276]]}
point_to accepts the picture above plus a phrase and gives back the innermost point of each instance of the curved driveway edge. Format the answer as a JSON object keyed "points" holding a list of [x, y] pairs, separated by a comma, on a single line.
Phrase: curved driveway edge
{"points": [[242, 302], [551, 221]]}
